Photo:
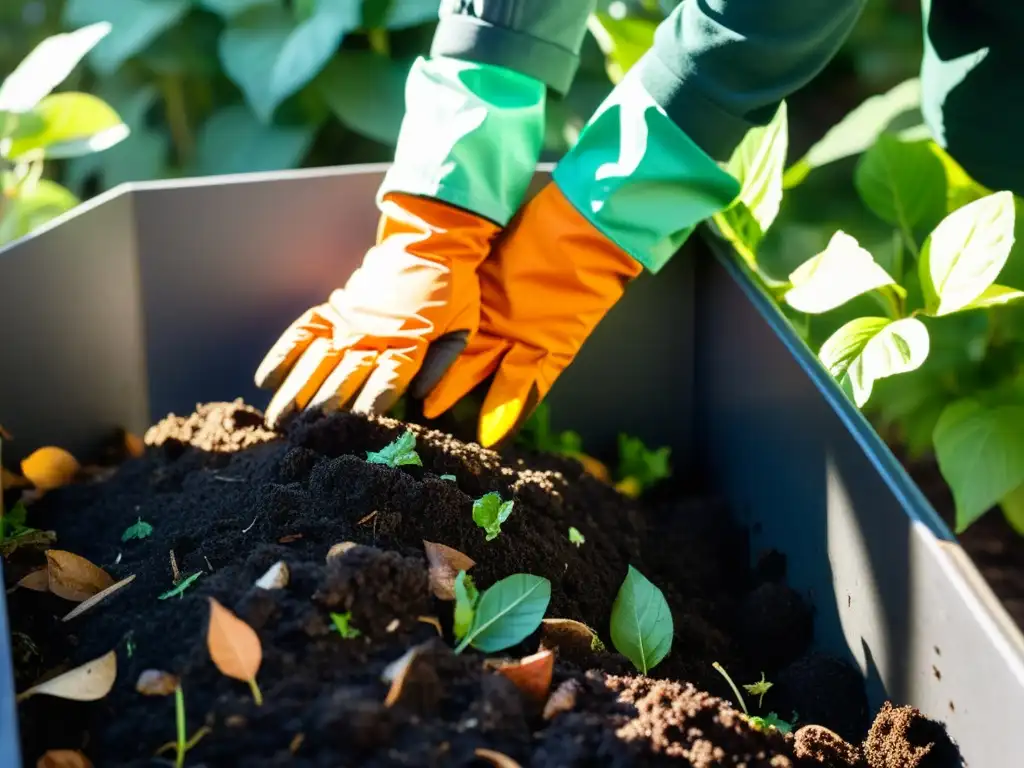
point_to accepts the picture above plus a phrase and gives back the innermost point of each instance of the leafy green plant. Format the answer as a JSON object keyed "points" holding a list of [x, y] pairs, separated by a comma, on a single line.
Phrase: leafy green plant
{"points": [[399, 452], [342, 623], [575, 537], [505, 613], [38, 125], [489, 512], [179, 589], [641, 624], [640, 467], [772, 719], [137, 530], [538, 435]]}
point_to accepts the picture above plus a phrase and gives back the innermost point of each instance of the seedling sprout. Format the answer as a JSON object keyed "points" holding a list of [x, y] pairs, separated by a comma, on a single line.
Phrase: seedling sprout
{"points": [[575, 537], [399, 452], [137, 530], [771, 720], [342, 622]]}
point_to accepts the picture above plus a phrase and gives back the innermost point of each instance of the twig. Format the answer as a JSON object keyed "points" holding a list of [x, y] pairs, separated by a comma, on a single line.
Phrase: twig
{"points": [[367, 518], [175, 573], [249, 528], [208, 563]]}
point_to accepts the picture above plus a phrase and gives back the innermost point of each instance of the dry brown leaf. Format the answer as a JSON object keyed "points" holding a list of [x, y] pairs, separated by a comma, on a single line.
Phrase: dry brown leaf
{"points": [[37, 581], [562, 699], [289, 538], [276, 576], [395, 673], [497, 759], [89, 682], [73, 577], [296, 742], [531, 675], [568, 637], [99, 597], [63, 758], [156, 682], [445, 564], [50, 467], [234, 646], [10, 480], [432, 621], [134, 445], [340, 549]]}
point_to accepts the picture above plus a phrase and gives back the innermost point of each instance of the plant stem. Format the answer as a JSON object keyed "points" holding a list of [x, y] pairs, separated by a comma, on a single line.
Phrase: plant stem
{"points": [[177, 118], [256, 694], [723, 673], [462, 646], [179, 717]]}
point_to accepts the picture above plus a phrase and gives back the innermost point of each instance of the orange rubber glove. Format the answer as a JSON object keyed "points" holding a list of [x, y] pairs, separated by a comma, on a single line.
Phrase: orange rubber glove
{"points": [[409, 309], [549, 281]]}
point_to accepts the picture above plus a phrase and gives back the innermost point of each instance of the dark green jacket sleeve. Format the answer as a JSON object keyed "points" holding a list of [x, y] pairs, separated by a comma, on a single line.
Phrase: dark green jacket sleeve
{"points": [[721, 67]]}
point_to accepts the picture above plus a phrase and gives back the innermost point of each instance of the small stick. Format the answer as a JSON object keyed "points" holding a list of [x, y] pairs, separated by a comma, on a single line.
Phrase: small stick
{"points": [[175, 573]]}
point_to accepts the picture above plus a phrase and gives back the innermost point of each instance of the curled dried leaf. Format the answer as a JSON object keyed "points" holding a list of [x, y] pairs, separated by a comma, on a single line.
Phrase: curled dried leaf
{"points": [[63, 758], [38, 580], [497, 759], [395, 673], [134, 445], [340, 549], [89, 682], [156, 682], [276, 576], [234, 646], [445, 564], [569, 637], [432, 621], [50, 467], [562, 699], [531, 674], [72, 577], [99, 597]]}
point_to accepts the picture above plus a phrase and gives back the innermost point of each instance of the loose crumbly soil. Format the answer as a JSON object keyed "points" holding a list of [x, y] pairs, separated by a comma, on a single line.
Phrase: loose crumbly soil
{"points": [[229, 499]]}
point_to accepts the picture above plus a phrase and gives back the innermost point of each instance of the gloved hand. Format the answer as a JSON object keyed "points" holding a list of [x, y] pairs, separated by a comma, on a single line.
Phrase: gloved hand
{"points": [[625, 197], [413, 302]]}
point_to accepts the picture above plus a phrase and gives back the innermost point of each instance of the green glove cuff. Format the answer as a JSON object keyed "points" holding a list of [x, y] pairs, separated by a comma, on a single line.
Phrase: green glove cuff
{"points": [[471, 136], [641, 181]]}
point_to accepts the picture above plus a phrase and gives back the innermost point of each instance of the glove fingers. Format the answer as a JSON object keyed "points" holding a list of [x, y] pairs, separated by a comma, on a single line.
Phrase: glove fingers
{"points": [[440, 355], [391, 375], [303, 380], [511, 394], [289, 348], [341, 384], [475, 364]]}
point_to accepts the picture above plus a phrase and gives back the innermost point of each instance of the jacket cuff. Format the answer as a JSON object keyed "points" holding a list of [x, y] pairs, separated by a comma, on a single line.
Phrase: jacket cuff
{"points": [[471, 136]]}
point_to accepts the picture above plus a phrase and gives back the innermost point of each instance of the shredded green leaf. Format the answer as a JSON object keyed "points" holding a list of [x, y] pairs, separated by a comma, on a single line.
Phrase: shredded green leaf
{"points": [[536, 434], [575, 537], [182, 586], [759, 689], [343, 625], [397, 453], [448, 477], [138, 530], [466, 598], [489, 512], [772, 720]]}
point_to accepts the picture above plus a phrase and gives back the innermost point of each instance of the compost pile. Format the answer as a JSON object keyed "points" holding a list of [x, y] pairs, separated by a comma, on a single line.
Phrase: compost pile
{"points": [[358, 663]]}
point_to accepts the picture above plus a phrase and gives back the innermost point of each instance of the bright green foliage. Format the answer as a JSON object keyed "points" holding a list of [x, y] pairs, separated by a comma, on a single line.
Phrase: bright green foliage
{"points": [[137, 530], [466, 598], [12, 523], [179, 590], [399, 452], [641, 627], [772, 720], [342, 623], [575, 537], [537, 434], [622, 40], [645, 466], [507, 612], [489, 512], [901, 182], [38, 125], [759, 689]]}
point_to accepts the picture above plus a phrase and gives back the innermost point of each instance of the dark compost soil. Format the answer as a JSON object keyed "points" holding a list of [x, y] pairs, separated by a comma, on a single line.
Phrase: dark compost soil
{"points": [[230, 499]]}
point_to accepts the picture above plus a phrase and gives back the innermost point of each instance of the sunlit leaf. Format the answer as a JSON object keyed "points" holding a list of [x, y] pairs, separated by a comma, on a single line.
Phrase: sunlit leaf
{"points": [[89, 682]]}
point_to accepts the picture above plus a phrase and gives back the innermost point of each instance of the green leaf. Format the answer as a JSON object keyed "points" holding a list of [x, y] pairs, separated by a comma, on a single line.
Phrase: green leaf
{"points": [[980, 454], [965, 253], [489, 512], [1013, 509], [466, 598], [537, 434], [903, 183], [134, 25], [230, 8], [450, 478], [995, 296], [622, 41], [575, 537], [508, 612], [71, 124], [138, 530], [234, 141], [12, 522], [366, 92], [836, 275], [759, 689], [758, 163], [858, 130], [397, 453], [179, 590], [771, 721], [270, 57], [871, 348], [342, 624], [641, 625], [33, 207], [47, 66], [644, 465]]}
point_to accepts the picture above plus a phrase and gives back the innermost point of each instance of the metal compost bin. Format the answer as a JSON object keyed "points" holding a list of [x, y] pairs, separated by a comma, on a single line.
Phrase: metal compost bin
{"points": [[156, 296]]}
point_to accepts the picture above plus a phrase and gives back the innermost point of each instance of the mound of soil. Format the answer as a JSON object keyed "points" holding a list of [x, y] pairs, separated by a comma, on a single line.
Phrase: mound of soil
{"points": [[228, 498]]}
